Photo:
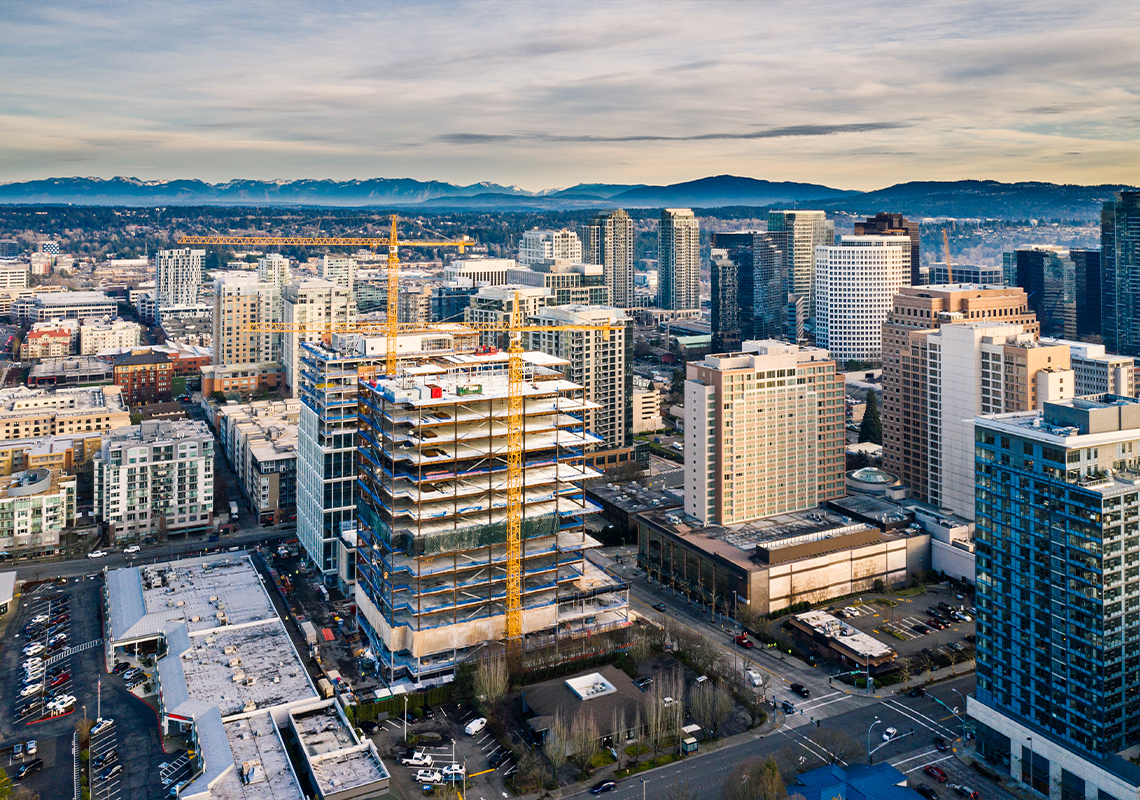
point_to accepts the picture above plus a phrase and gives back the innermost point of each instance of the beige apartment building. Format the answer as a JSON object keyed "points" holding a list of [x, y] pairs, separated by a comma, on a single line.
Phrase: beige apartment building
{"points": [[239, 300], [915, 311], [31, 413], [763, 432]]}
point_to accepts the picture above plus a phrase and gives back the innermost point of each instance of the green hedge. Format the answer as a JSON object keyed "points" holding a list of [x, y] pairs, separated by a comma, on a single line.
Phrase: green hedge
{"points": [[434, 696]]}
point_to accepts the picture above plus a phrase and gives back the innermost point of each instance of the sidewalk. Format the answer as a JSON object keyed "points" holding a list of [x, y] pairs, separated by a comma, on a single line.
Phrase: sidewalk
{"points": [[923, 680], [966, 753], [774, 721]]}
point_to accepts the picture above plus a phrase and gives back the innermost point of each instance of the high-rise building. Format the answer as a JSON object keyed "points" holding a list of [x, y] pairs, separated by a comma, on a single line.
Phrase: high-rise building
{"points": [[1088, 291], [572, 284], [749, 292], [906, 380], [36, 506], [448, 302], [240, 299], [1098, 372], [432, 516], [854, 285], [156, 478], [544, 245], [609, 240], [1120, 273], [495, 305], [1048, 276], [764, 432], [678, 260], [981, 368], [1057, 701], [316, 304], [274, 268], [797, 234], [599, 361], [884, 224], [177, 276], [728, 315], [413, 304], [341, 270]]}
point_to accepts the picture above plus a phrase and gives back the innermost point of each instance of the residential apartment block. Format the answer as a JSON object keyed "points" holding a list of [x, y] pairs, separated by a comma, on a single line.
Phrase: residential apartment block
{"points": [[764, 432], [46, 343], [678, 260], [1098, 372], [854, 285], [495, 305], [432, 516], [571, 284], [340, 270], [906, 385], [104, 334], [177, 276], [1057, 702], [145, 376], [156, 478], [479, 271], [608, 239], [260, 443], [545, 245], [240, 299], [31, 413], [316, 304], [36, 506]]}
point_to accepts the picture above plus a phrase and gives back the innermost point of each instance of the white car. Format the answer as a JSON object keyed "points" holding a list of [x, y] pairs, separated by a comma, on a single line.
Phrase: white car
{"points": [[40, 619], [419, 759], [35, 648], [96, 554], [475, 726], [429, 776], [890, 733], [667, 701], [101, 725], [35, 673], [754, 677], [32, 663], [453, 772], [32, 688], [31, 748], [61, 703], [134, 548], [58, 638]]}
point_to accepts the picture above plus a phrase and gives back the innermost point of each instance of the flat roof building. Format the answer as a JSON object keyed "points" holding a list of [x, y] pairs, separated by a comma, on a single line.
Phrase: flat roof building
{"points": [[26, 413], [63, 305]]}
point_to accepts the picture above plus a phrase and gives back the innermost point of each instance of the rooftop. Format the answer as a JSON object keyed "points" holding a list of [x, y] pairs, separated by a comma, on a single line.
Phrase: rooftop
{"points": [[548, 698], [159, 431], [633, 498], [21, 399], [863, 644], [338, 759], [261, 765], [71, 298]]}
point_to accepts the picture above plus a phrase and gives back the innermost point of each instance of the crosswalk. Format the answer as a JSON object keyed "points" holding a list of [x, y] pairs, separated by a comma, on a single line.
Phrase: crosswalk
{"points": [[79, 648]]}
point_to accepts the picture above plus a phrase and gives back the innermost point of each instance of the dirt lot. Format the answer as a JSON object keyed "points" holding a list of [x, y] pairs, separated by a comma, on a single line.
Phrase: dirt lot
{"points": [[881, 621]]}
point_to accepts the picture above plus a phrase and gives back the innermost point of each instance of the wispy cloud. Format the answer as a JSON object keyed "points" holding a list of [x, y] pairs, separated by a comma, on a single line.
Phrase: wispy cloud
{"points": [[646, 92]]}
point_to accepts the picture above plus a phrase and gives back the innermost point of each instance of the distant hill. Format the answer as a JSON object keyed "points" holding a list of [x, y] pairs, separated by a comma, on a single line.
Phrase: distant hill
{"points": [[918, 199], [982, 199]]}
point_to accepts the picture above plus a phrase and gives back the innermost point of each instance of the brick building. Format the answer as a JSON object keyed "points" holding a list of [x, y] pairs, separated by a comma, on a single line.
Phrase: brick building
{"points": [[145, 376]]}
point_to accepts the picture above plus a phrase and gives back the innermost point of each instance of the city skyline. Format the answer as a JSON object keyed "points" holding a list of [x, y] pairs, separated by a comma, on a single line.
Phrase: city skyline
{"points": [[537, 99]]}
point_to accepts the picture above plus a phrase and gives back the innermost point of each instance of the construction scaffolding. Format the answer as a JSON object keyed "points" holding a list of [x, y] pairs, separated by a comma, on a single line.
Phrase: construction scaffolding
{"points": [[433, 517]]}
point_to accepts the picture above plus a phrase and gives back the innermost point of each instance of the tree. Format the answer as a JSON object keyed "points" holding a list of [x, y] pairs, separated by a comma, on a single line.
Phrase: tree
{"points": [[679, 791], [585, 740], [871, 429], [754, 780], [5, 785], [492, 679], [636, 727], [905, 669], [711, 706], [840, 745], [557, 741], [655, 716], [617, 732], [677, 386]]}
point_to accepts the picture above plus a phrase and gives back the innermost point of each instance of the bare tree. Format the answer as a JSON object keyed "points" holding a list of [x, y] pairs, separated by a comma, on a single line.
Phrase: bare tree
{"points": [[840, 745], [754, 780], [795, 760], [557, 742], [639, 647], [711, 706], [905, 668], [618, 729], [585, 740], [655, 716], [679, 791], [923, 663], [492, 679], [636, 727]]}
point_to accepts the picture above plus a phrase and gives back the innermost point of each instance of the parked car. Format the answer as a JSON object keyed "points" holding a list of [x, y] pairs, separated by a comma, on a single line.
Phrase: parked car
{"points": [[61, 704], [801, 690], [965, 791], [120, 667], [58, 639], [96, 554], [102, 725], [31, 748], [475, 726], [926, 792], [133, 548], [454, 772], [18, 750], [429, 776], [59, 680], [428, 712], [643, 683], [40, 619], [418, 759], [936, 623], [660, 607], [937, 773], [754, 677], [32, 688], [110, 772], [35, 648], [59, 619], [369, 727], [940, 743], [667, 701], [921, 630], [956, 646], [602, 787], [31, 768], [890, 733], [105, 759], [497, 759]]}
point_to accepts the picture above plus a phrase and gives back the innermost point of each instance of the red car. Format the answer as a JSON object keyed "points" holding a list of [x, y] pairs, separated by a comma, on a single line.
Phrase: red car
{"points": [[62, 618], [63, 677], [937, 773], [743, 641]]}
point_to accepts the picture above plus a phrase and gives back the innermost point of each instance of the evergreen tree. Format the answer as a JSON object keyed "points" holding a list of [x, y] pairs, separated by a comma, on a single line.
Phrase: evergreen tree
{"points": [[871, 429]]}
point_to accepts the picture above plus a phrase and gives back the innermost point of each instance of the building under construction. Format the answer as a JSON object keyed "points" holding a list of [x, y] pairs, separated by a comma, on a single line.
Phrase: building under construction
{"points": [[432, 514]]}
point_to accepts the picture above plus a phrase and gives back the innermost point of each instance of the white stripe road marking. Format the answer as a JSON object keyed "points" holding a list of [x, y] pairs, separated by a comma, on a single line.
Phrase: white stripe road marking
{"points": [[829, 702], [924, 766], [897, 764], [931, 720], [941, 730], [821, 697]]}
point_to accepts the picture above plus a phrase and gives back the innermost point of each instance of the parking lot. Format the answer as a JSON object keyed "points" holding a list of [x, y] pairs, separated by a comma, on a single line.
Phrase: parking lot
{"points": [[908, 627], [105, 768], [474, 754]]}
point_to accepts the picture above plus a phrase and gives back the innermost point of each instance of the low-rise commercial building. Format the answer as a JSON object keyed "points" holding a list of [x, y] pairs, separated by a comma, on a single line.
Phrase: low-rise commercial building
{"points": [[260, 443], [155, 478], [26, 413], [192, 331], [834, 639], [646, 410], [773, 563], [75, 371], [63, 305], [35, 506]]}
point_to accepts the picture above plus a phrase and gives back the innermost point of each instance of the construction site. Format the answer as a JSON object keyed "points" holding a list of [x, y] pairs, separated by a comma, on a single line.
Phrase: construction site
{"points": [[434, 515]]}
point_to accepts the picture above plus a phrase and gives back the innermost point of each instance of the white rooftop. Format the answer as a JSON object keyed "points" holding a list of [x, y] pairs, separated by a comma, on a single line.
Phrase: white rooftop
{"points": [[864, 644], [590, 686]]}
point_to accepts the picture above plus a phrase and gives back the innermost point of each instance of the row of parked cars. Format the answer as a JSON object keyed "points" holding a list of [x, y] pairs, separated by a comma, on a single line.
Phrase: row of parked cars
{"points": [[43, 687]]}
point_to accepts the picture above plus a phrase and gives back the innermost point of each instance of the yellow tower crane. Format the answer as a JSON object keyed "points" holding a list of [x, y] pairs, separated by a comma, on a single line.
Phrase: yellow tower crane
{"points": [[515, 448], [373, 242]]}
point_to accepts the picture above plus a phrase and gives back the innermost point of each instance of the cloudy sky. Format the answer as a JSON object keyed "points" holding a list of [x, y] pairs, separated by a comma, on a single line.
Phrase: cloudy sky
{"points": [[544, 95]]}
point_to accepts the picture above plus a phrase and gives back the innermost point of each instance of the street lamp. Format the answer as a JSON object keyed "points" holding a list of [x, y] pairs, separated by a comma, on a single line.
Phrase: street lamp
{"points": [[870, 758], [643, 782], [1030, 781], [961, 716], [405, 718]]}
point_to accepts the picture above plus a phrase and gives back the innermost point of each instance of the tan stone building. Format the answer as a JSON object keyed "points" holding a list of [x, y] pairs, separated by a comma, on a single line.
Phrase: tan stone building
{"points": [[905, 406], [763, 432], [63, 453], [32, 413]]}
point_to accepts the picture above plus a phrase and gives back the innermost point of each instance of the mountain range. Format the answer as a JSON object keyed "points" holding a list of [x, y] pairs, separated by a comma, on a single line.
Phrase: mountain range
{"points": [[961, 199]]}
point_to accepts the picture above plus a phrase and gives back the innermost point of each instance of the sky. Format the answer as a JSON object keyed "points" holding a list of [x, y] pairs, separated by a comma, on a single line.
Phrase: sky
{"points": [[547, 95]]}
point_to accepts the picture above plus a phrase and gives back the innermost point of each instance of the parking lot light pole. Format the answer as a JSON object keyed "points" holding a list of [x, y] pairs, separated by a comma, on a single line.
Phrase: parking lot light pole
{"points": [[405, 719], [870, 758]]}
